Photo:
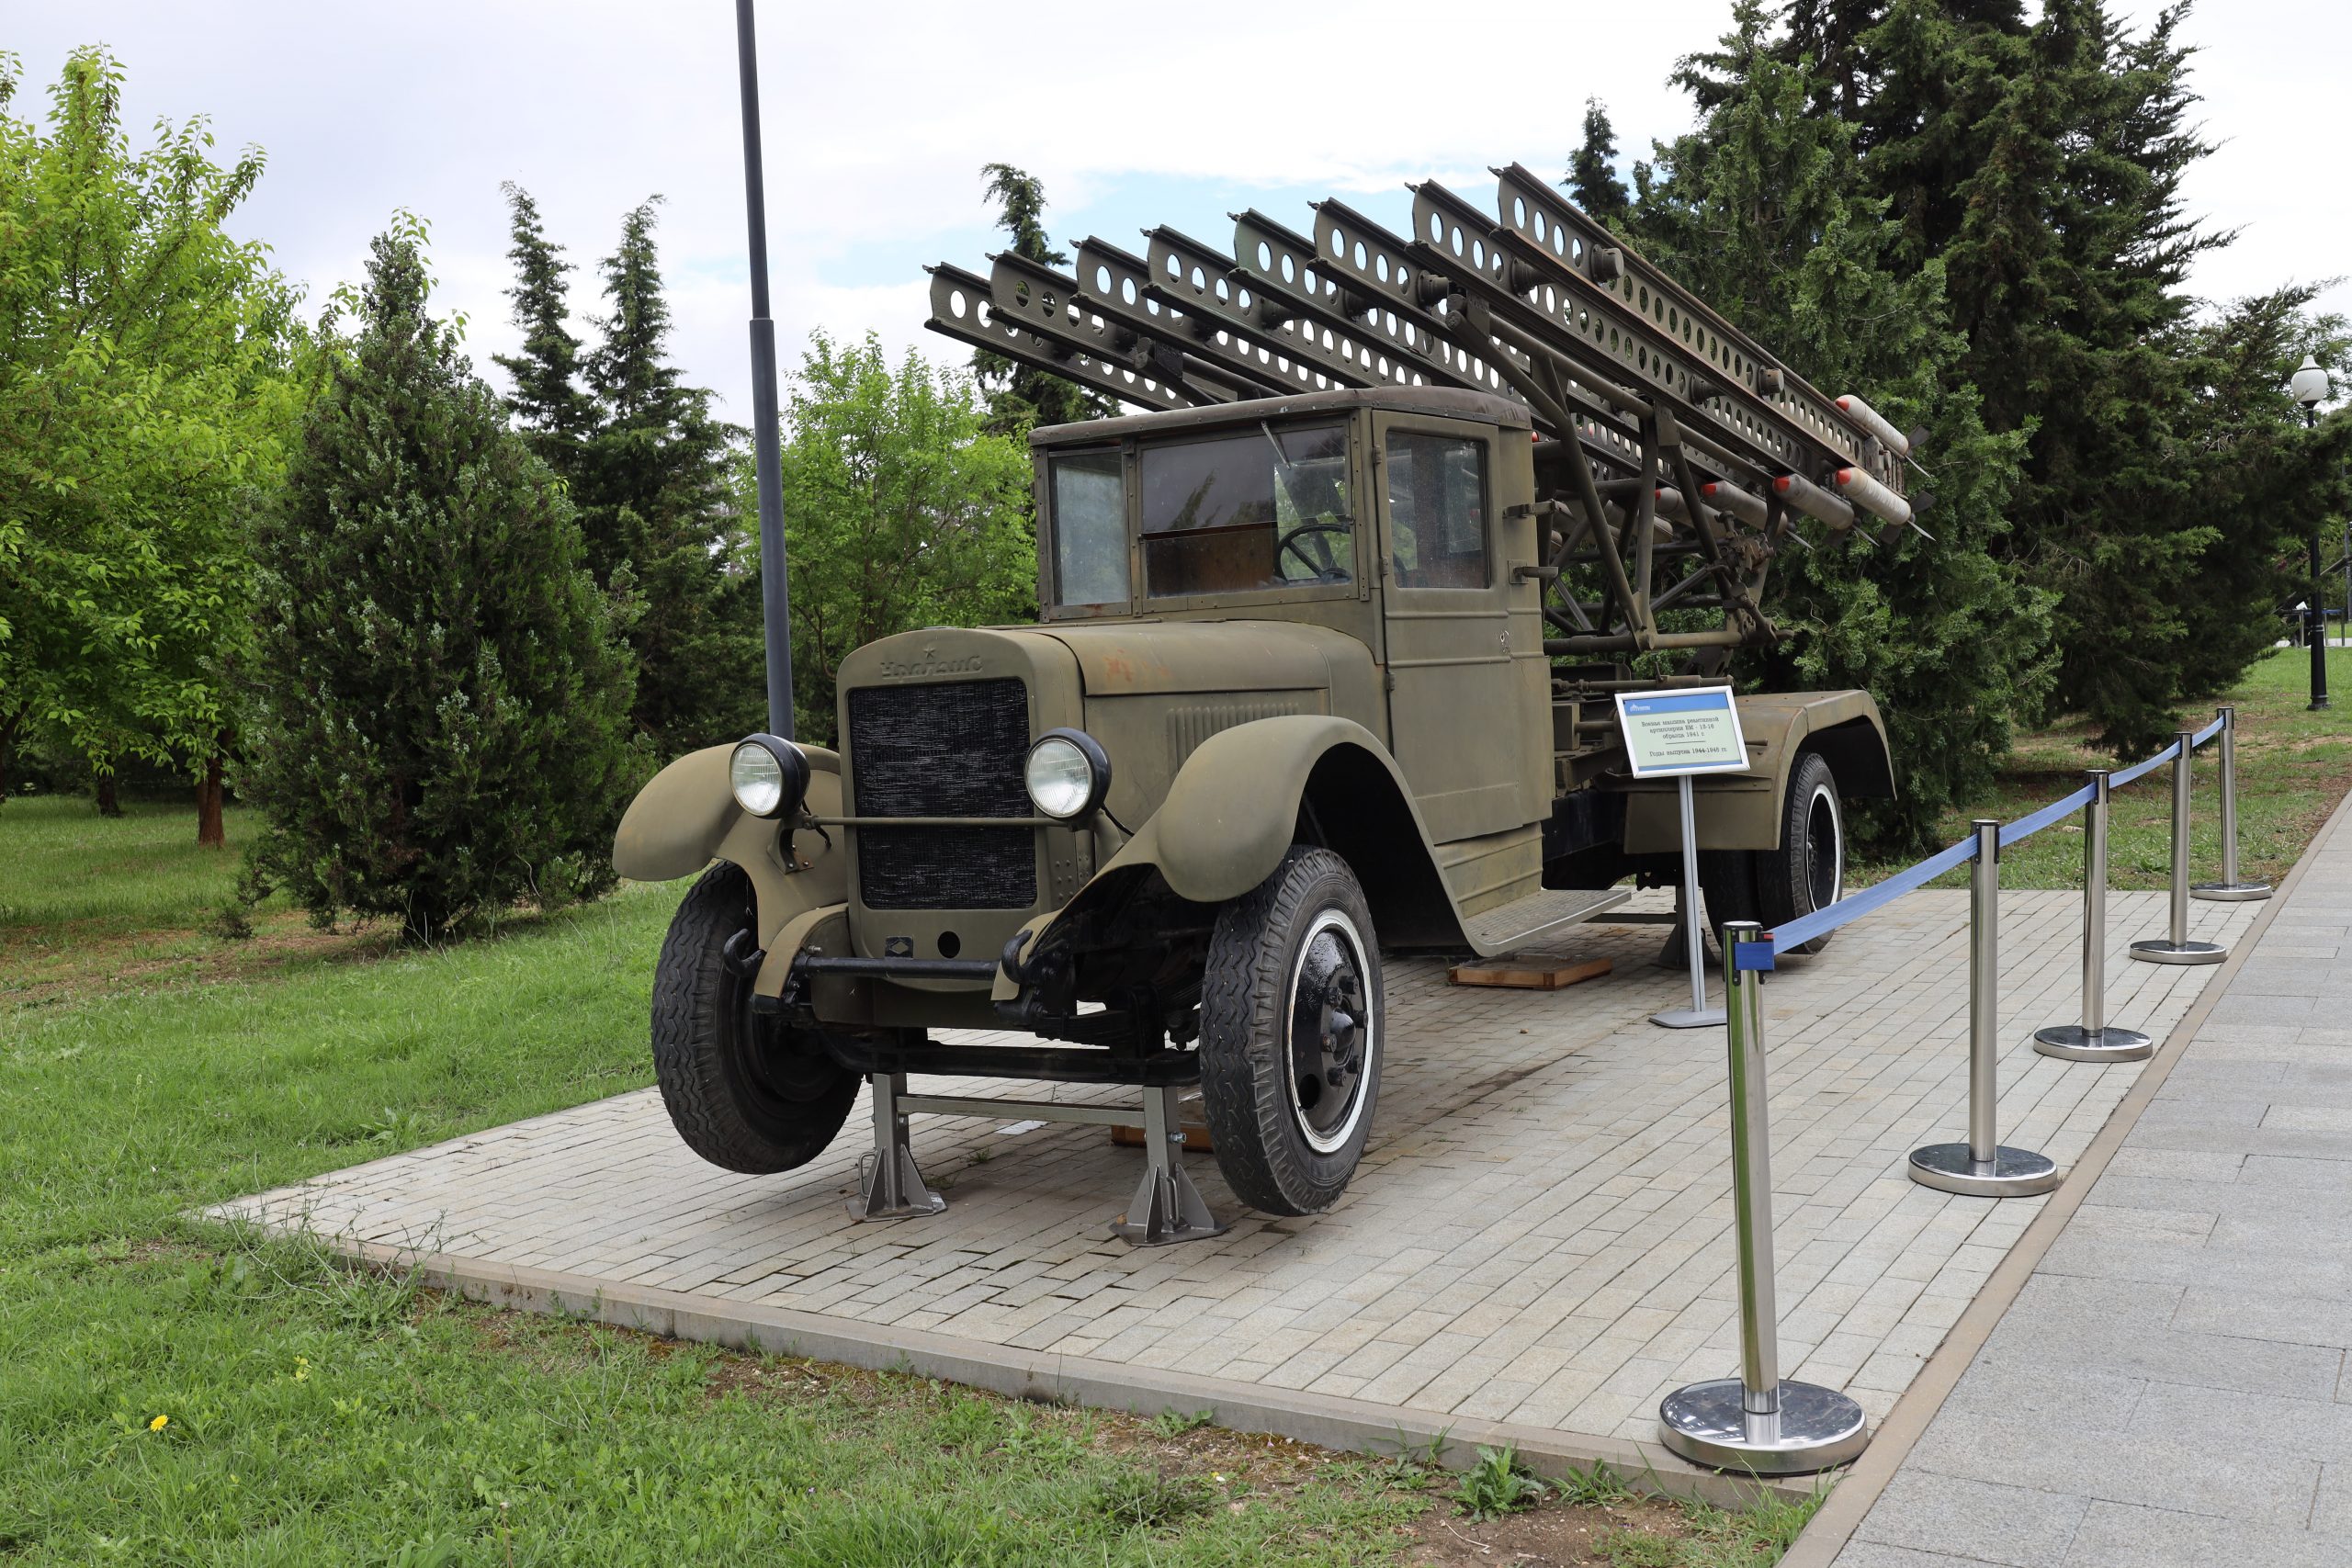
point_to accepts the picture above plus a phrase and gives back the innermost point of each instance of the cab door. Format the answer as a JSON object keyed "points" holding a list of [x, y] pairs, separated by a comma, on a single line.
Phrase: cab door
{"points": [[1469, 693]]}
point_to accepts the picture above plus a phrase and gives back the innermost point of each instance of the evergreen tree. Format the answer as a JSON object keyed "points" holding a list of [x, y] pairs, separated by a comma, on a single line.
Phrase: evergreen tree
{"points": [[1018, 397], [1759, 211], [665, 534], [1592, 183], [555, 414], [438, 723]]}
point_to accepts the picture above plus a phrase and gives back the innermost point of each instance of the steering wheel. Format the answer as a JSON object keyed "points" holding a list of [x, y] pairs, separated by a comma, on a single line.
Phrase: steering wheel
{"points": [[1328, 568]]}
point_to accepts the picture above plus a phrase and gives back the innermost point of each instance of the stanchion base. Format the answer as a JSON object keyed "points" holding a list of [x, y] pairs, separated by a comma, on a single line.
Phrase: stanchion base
{"points": [[2010, 1173], [1690, 1017], [1707, 1423], [2229, 892], [2158, 951], [2072, 1043]]}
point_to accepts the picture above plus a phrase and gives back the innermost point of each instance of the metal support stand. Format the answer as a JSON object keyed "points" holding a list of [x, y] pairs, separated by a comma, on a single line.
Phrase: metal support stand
{"points": [[1698, 1015], [889, 1186], [2092, 1040], [2230, 889], [2177, 948], [1982, 1168], [1757, 1423], [1167, 1207]]}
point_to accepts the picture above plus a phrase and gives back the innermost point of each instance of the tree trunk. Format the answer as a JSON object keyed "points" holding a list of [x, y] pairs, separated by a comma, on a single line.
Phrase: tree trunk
{"points": [[110, 802], [211, 833], [8, 729]]}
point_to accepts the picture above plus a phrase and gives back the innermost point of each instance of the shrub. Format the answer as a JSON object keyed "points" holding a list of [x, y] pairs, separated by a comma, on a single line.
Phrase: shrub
{"points": [[438, 709]]}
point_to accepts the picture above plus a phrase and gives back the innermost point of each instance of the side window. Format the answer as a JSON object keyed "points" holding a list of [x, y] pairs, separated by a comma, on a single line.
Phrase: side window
{"points": [[1090, 530], [1436, 510]]}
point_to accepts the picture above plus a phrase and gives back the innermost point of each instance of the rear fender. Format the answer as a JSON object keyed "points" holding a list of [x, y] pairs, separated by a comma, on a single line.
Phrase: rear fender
{"points": [[1743, 810], [686, 817], [1234, 809]]}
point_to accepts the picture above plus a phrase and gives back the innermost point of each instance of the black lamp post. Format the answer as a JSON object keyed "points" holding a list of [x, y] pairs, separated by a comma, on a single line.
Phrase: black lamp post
{"points": [[774, 595], [2309, 386]]}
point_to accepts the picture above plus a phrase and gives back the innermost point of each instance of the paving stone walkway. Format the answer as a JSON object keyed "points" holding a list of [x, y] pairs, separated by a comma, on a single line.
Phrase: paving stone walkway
{"points": [[1539, 1235], [2170, 1386]]}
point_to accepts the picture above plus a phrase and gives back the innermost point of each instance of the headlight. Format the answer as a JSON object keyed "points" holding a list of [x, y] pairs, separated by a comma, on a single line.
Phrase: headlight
{"points": [[770, 775], [1067, 773]]}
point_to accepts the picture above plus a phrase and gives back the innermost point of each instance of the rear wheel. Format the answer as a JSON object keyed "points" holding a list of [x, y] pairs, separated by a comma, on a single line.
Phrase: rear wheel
{"points": [[1806, 873], [744, 1091], [1290, 1020]]}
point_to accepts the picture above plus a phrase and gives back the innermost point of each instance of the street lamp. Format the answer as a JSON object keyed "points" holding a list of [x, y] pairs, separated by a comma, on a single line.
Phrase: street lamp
{"points": [[2309, 386]]}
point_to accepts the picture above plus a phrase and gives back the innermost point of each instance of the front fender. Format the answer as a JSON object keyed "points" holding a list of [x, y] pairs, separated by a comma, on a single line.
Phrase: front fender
{"points": [[686, 817], [1231, 815]]}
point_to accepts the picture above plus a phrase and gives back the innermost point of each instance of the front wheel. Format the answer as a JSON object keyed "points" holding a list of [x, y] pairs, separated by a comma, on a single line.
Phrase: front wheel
{"points": [[1291, 1020], [744, 1091]]}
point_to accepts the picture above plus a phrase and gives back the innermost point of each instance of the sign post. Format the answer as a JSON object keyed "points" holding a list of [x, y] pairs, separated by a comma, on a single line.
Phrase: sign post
{"points": [[1678, 735]]}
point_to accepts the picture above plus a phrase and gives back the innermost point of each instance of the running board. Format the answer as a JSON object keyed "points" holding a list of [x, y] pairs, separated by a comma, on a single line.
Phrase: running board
{"points": [[1537, 915]]}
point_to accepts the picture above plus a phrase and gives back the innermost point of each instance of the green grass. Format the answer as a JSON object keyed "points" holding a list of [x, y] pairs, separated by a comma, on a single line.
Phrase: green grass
{"points": [[174, 1391], [68, 866], [2294, 767]]}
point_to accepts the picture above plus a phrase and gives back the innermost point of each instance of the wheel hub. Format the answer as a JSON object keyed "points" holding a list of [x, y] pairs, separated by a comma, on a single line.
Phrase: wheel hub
{"points": [[1330, 1036]]}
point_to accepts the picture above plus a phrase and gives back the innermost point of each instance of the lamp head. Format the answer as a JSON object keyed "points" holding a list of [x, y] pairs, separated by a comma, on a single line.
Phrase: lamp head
{"points": [[2310, 385]]}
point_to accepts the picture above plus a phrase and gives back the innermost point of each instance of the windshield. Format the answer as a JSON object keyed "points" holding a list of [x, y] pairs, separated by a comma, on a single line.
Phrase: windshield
{"points": [[1247, 510]]}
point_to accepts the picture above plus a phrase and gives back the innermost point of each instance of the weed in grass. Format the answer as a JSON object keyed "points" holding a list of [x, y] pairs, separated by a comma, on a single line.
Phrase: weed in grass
{"points": [[1496, 1484], [1637, 1549], [1600, 1487], [1175, 1423], [1148, 1499]]}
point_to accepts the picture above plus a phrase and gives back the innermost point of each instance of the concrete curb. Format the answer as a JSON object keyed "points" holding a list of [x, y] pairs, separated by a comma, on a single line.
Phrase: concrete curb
{"points": [[1850, 1502], [1356, 1426]]}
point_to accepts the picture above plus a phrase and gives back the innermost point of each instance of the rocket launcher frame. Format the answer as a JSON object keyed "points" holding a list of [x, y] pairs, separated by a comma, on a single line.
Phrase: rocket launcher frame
{"points": [[1675, 454]]}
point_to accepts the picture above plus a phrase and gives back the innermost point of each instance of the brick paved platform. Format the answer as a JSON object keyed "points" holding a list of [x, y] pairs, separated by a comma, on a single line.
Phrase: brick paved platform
{"points": [[1537, 1243]]}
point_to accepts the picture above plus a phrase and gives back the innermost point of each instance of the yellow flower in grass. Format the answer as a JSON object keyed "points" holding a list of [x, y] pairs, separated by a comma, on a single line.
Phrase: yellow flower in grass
{"points": [[158, 1422], [302, 1369]]}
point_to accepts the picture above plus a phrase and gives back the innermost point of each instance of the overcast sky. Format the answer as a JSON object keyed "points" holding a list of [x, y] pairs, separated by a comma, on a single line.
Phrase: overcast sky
{"points": [[879, 114]]}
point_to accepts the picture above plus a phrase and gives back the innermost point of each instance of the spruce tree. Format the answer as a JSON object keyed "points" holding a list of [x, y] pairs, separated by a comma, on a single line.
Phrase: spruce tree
{"points": [[555, 414], [1019, 396], [665, 532], [1759, 211], [438, 715], [1592, 183]]}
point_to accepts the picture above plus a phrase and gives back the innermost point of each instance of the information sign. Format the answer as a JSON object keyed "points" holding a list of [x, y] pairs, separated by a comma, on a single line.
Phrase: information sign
{"points": [[1691, 731]]}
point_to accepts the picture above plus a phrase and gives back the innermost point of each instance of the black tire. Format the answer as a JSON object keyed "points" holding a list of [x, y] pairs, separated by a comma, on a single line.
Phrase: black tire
{"points": [[745, 1092], [1808, 871], [1287, 1092]]}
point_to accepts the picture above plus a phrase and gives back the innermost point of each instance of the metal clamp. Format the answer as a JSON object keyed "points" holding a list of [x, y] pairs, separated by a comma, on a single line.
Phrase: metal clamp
{"points": [[1982, 1166], [1758, 1423], [2232, 889], [2092, 1039], [2177, 948]]}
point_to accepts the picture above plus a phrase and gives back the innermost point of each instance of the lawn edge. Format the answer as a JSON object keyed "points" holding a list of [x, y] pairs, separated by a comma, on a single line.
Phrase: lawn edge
{"points": [[1327, 1421], [1827, 1534]]}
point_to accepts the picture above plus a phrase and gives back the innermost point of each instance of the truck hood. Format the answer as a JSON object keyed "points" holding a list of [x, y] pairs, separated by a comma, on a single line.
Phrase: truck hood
{"points": [[1139, 659]]}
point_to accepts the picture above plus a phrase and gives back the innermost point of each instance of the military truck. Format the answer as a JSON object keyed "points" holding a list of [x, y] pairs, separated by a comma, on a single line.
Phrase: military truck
{"points": [[1326, 645]]}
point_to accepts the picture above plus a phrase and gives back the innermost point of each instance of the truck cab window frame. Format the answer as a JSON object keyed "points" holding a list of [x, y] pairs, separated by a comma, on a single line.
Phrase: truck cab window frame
{"points": [[1439, 525]]}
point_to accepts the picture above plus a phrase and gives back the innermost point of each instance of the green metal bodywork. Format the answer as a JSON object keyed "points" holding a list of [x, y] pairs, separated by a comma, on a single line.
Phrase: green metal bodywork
{"points": [[1417, 726]]}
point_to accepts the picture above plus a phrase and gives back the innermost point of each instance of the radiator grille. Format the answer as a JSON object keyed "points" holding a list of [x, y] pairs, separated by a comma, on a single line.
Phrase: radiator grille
{"points": [[950, 750]]}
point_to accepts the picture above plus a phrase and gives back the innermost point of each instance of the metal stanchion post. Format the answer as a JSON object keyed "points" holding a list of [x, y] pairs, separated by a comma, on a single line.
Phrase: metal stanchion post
{"points": [[1758, 1422], [2231, 888], [2177, 948], [2091, 1040], [1982, 1168]]}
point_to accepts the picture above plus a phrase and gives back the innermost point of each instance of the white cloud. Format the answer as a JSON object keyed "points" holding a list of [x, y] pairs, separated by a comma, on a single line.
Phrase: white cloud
{"points": [[878, 117]]}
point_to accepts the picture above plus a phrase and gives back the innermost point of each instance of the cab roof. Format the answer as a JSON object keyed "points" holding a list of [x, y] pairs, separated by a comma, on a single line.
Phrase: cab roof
{"points": [[1448, 402]]}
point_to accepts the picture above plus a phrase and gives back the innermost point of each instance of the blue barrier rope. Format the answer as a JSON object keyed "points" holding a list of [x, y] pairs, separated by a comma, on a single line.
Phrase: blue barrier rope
{"points": [[1820, 923], [2141, 770], [2056, 811]]}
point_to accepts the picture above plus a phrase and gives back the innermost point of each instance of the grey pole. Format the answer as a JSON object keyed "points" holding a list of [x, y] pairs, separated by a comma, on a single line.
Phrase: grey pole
{"points": [[1757, 1423], [2091, 1040], [1982, 1168], [1698, 1015], [2232, 889], [776, 593], [2175, 948]]}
